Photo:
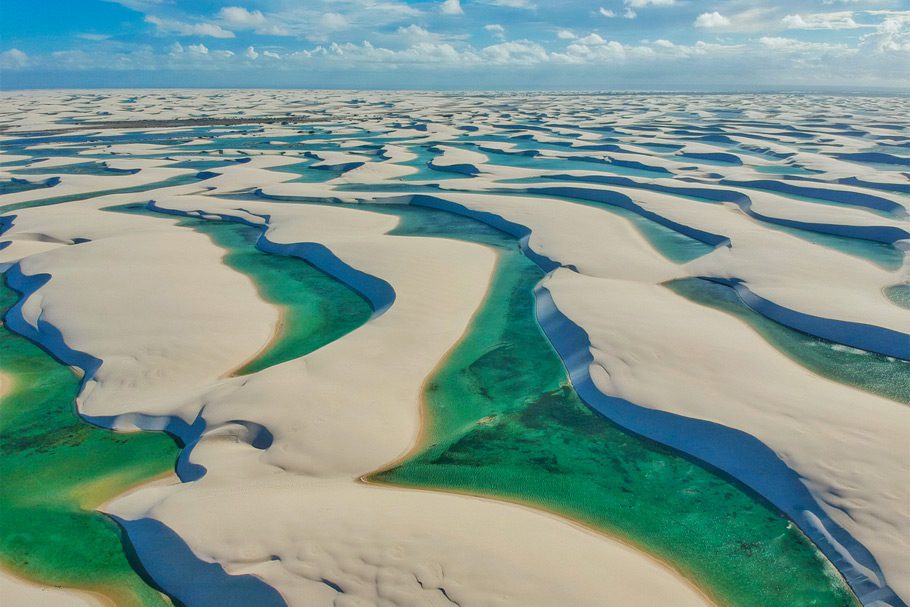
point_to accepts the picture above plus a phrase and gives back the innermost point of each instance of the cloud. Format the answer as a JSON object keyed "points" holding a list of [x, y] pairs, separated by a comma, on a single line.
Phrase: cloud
{"points": [[496, 29], [414, 33], [240, 17], [94, 37], [271, 55], [595, 50], [13, 59], [138, 5], [821, 21], [631, 5], [711, 20], [592, 39], [521, 52], [180, 28], [526, 4], [200, 49], [891, 36], [250, 53], [333, 22], [565, 34], [789, 45], [451, 7], [606, 12], [646, 3]]}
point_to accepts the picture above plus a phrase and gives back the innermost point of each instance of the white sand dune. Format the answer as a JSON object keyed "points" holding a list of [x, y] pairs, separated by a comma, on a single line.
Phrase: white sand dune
{"points": [[158, 320], [311, 410], [16, 591]]}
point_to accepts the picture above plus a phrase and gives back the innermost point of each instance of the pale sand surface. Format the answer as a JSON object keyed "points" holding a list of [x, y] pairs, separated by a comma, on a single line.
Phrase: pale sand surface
{"points": [[300, 498], [858, 494], [6, 384], [18, 592], [187, 337], [841, 442]]}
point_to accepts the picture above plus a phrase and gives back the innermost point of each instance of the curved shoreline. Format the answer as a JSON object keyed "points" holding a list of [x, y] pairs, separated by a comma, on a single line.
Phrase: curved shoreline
{"points": [[663, 427], [539, 509], [424, 412]]}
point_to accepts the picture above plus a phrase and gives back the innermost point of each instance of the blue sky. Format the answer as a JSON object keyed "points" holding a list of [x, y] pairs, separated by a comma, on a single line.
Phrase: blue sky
{"points": [[457, 44]]}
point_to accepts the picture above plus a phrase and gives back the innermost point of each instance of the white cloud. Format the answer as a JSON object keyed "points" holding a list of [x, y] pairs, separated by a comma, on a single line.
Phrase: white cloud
{"points": [[451, 7], [271, 55], [527, 4], [600, 51], [521, 52], [200, 49], [629, 13], [333, 22], [592, 39], [496, 29], [789, 45], [180, 28], [711, 20], [606, 12], [250, 53], [891, 36], [565, 35], [94, 37], [13, 59], [139, 5], [414, 33], [646, 3], [821, 21], [242, 18]]}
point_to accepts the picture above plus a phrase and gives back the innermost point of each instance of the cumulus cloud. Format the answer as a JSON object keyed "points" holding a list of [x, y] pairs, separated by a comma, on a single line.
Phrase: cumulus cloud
{"points": [[13, 59], [200, 49], [711, 20], [451, 7], [592, 39], [821, 21], [496, 29], [181, 28], [242, 18], [250, 53], [521, 52], [891, 36], [564, 34], [606, 12], [631, 5], [239, 18]]}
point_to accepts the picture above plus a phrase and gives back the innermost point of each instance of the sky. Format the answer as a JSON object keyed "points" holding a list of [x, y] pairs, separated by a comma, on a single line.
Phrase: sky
{"points": [[690, 45]]}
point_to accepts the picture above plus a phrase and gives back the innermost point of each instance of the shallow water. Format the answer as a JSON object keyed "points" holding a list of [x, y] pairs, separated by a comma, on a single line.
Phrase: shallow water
{"points": [[868, 371], [42, 202], [899, 294], [316, 308], [883, 255], [57, 469], [82, 168], [504, 421]]}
